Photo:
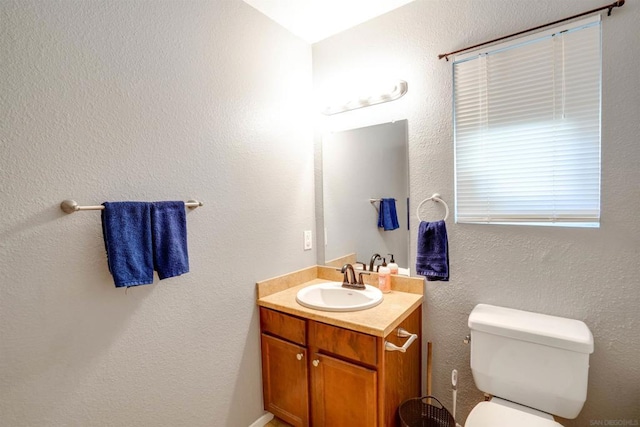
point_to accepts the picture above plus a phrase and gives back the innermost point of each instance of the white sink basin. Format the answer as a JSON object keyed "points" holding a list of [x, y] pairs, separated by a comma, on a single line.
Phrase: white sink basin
{"points": [[331, 296]]}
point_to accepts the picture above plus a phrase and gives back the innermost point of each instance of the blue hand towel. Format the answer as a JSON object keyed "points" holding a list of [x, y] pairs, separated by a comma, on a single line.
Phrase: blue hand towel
{"points": [[126, 228], [432, 255], [169, 224], [388, 217]]}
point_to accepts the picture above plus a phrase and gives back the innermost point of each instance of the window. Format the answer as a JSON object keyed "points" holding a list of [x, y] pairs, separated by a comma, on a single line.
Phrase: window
{"points": [[527, 130]]}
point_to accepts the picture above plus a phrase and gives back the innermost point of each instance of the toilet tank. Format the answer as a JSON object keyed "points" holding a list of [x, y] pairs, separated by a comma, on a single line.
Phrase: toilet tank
{"points": [[532, 359]]}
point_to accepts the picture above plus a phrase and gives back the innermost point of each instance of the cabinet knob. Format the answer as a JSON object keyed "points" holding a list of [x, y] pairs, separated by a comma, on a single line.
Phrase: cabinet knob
{"points": [[316, 362], [299, 356]]}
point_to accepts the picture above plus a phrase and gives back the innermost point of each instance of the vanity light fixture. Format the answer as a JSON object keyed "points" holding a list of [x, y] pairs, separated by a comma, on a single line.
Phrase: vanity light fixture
{"points": [[396, 91]]}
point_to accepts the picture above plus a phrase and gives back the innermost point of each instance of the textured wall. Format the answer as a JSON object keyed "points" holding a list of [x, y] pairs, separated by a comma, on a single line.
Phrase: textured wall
{"points": [[580, 273], [145, 100]]}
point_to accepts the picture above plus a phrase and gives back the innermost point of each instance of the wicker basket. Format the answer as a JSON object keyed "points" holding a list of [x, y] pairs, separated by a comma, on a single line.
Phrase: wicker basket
{"points": [[417, 412]]}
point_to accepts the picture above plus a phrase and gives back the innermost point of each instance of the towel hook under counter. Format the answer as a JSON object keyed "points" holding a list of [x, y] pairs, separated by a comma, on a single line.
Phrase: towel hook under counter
{"points": [[436, 198], [71, 206]]}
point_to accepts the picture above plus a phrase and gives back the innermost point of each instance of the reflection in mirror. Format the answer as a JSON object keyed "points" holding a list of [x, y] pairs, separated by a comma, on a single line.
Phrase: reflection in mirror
{"points": [[359, 165]]}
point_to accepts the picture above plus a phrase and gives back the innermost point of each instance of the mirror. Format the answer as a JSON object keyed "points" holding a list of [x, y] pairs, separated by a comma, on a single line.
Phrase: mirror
{"points": [[359, 165]]}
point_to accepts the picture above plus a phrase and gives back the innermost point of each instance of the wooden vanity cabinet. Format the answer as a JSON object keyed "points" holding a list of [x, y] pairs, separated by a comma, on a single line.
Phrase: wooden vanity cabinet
{"points": [[285, 374], [344, 394], [320, 375]]}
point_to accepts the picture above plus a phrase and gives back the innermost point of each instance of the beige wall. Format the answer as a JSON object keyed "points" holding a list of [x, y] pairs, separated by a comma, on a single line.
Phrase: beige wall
{"points": [[145, 100], [579, 273]]}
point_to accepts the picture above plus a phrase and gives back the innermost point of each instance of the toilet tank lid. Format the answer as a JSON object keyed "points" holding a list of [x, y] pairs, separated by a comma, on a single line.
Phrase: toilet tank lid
{"points": [[538, 328]]}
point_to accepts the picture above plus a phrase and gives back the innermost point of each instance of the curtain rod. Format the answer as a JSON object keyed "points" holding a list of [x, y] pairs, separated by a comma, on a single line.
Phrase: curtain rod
{"points": [[610, 7]]}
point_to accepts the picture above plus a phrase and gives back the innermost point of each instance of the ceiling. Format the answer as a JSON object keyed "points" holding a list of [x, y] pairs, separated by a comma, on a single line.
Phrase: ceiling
{"points": [[315, 20]]}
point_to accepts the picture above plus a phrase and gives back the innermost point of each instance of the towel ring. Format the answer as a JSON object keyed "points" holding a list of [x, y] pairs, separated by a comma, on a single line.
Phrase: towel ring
{"points": [[435, 198]]}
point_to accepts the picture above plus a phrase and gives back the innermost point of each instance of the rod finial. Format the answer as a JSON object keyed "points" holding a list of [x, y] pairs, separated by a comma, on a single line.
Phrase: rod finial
{"points": [[618, 3], [194, 204], [69, 206]]}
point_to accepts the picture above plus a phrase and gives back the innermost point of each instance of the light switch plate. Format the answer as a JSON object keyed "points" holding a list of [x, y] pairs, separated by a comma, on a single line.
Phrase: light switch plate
{"points": [[308, 240]]}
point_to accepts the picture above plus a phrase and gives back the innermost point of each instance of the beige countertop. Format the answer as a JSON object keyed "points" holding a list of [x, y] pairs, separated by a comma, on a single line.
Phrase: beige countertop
{"points": [[378, 321]]}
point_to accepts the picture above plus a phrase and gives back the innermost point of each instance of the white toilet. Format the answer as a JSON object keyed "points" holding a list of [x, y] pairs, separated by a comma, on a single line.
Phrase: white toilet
{"points": [[534, 365]]}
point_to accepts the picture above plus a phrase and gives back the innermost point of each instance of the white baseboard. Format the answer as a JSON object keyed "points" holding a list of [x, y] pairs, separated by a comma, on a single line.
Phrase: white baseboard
{"points": [[263, 420]]}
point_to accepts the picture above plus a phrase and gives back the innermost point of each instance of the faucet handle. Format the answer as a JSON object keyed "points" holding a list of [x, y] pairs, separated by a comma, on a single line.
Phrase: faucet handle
{"points": [[360, 282], [364, 265]]}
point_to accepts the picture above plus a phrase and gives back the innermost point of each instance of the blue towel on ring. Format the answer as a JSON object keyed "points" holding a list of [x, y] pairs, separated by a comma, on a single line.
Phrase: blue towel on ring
{"points": [[387, 215], [169, 229], [126, 227], [432, 254]]}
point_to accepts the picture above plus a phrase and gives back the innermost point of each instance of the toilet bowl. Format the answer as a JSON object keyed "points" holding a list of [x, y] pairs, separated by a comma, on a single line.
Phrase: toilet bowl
{"points": [[534, 365]]}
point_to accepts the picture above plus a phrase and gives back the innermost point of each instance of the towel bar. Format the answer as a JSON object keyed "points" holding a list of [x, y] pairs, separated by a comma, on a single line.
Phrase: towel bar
{"points": [[402, 333], [373, 203], [71, 206]]}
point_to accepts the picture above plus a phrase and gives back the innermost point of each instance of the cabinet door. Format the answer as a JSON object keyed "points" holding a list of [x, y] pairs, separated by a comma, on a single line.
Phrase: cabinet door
{"points": [[284, 380], [343, 394]]}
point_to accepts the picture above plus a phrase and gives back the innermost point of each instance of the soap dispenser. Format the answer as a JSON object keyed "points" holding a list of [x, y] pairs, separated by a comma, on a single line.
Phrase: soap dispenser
{"points": [[393, 267], [384, 277]]}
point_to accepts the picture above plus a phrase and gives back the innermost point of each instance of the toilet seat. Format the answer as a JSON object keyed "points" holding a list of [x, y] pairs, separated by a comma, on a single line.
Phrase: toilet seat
{"points": [[502, 413]]}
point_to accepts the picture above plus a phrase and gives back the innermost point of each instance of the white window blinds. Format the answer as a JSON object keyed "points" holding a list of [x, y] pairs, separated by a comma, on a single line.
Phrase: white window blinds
{"points": [[527, 130]]}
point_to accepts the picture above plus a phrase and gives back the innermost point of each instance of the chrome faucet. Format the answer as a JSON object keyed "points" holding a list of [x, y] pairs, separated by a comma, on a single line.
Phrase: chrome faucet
{"points": [[350, 281], [373, 260]]}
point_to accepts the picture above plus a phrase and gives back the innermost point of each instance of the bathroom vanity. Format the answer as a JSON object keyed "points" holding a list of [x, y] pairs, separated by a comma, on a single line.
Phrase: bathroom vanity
{"points": [[322, 368]]}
